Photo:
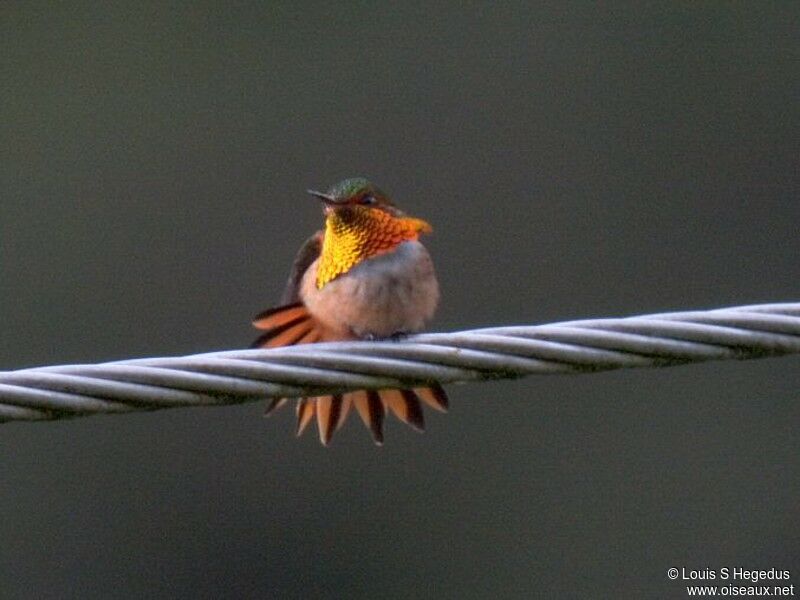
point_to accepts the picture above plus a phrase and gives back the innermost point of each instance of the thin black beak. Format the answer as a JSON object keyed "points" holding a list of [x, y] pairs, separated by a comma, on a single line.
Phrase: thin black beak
{"points": [[326, 198]]}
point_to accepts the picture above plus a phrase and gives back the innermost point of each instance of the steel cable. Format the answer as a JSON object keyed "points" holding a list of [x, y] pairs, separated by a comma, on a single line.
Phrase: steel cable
{"points": [[236, 376]]}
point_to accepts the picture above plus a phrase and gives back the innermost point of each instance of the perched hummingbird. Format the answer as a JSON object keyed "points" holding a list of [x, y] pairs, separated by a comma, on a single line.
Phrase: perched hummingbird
{"points": [[365, 276]]}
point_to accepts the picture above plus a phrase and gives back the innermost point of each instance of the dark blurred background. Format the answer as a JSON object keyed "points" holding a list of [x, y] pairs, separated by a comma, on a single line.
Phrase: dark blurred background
{"points": [[575, 161]]}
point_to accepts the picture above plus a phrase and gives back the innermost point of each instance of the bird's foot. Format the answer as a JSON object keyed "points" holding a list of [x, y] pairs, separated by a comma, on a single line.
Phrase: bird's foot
{"points": [[394, 337]]}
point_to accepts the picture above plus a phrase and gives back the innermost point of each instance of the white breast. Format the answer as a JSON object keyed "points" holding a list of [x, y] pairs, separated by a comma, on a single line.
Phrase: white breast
{"points": [[392, 293]]}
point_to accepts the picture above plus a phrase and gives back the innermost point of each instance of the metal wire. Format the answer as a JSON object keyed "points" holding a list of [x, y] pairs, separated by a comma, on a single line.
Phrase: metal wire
{"points": [[237, 376]]}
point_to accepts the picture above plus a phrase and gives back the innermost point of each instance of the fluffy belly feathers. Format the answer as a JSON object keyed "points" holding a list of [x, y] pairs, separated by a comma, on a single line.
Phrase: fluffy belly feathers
{"points": [[396, 292]]}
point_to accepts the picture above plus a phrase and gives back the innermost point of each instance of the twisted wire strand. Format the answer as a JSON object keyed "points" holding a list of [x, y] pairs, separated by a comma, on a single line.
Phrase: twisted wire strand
{"points": [[235, 376]]}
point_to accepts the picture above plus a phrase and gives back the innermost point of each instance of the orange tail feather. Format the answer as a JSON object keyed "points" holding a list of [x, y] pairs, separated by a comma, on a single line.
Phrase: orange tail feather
{"points": [[293, 324]]}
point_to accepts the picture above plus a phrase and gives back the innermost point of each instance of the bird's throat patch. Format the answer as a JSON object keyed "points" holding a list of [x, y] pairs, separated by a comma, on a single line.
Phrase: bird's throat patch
{"points": [[357, 233]]}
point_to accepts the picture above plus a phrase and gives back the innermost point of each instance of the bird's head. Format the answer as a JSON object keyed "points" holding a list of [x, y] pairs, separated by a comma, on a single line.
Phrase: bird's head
{"points": [[357, 197]]}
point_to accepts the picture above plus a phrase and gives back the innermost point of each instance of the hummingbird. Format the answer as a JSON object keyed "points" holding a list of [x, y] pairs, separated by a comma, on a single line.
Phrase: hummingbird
{"points": [[365, 276]]}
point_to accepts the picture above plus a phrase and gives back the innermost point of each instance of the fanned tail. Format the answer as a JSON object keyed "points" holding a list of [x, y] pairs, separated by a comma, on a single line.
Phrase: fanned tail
{"points": [[292, 324], [372, 406]]}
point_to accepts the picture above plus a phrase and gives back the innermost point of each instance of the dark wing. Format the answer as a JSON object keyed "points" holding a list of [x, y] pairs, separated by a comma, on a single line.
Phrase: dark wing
{"points": [[307, 254], [290, 323]]}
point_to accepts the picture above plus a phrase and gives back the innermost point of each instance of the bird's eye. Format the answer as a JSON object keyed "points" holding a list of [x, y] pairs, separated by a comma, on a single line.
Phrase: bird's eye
{"points": [[368, 199]]}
